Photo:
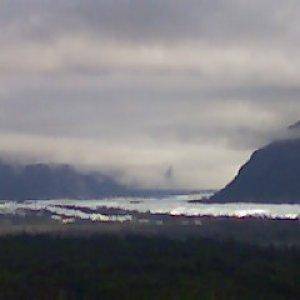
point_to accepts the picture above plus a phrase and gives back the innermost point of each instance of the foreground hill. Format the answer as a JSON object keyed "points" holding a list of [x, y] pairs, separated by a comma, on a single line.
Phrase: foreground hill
{"points": [[272, 175], [42, 181]]}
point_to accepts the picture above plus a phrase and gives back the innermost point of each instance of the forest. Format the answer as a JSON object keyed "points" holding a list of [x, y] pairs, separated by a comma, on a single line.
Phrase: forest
{"points": [[110, 266]]}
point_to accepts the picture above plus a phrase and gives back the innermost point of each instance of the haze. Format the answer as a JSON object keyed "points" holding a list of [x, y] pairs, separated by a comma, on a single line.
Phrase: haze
{"points": [[166, 93]]}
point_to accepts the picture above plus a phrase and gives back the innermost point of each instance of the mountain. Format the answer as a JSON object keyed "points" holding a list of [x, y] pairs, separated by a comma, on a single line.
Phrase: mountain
{"points": [[56, 181], [272, 175], [42, 181]]}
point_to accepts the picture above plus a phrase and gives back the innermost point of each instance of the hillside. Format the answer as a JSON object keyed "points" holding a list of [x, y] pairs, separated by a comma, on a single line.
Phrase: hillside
{"points": [[271, 175], [42, 181]]}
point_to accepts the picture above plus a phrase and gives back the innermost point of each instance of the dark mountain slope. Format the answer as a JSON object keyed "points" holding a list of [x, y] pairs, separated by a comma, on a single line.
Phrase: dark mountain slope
{"points": [[42, 181], [272, 175]]}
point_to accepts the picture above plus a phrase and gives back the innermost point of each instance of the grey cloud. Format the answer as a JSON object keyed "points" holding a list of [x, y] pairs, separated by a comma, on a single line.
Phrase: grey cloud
{"points": [[134, 87], [142, 20]]}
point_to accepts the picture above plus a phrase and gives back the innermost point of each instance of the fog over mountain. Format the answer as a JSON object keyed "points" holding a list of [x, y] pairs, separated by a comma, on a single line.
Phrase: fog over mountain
{"points": [[41, 181], [59, 181], [134, 88]]}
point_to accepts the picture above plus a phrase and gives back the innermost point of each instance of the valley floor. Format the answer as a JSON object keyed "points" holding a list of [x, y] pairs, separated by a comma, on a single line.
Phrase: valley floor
{"points": [[253, 231], [164, 258]]}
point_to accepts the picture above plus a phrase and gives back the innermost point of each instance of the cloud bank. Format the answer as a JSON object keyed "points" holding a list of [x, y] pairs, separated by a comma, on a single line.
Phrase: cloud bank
{"points": [[134, 87]]}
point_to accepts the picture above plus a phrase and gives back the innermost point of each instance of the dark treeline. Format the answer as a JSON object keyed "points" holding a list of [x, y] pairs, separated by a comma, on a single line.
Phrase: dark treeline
{"points": [[137, 267]]}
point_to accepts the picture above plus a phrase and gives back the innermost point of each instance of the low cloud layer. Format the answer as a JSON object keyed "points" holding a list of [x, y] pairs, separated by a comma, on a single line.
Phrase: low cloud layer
{"points": [[134, 87]]}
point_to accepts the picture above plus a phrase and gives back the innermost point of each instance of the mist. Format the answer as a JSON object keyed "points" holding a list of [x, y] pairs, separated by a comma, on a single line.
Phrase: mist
{"points": [[131, 88]]}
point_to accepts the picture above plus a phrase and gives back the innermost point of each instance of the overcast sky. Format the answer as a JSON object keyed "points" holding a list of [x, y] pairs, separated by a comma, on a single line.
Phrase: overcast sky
{"points": [[136, 86]]}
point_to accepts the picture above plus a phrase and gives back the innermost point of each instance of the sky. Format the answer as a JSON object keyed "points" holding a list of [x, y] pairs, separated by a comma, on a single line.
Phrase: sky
{"points": [[169, 93]]}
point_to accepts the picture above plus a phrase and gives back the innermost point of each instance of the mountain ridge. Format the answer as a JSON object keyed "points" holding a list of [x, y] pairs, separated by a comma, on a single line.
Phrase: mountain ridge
{"points": [[51, 181], [271, 175], [56, 181]]}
